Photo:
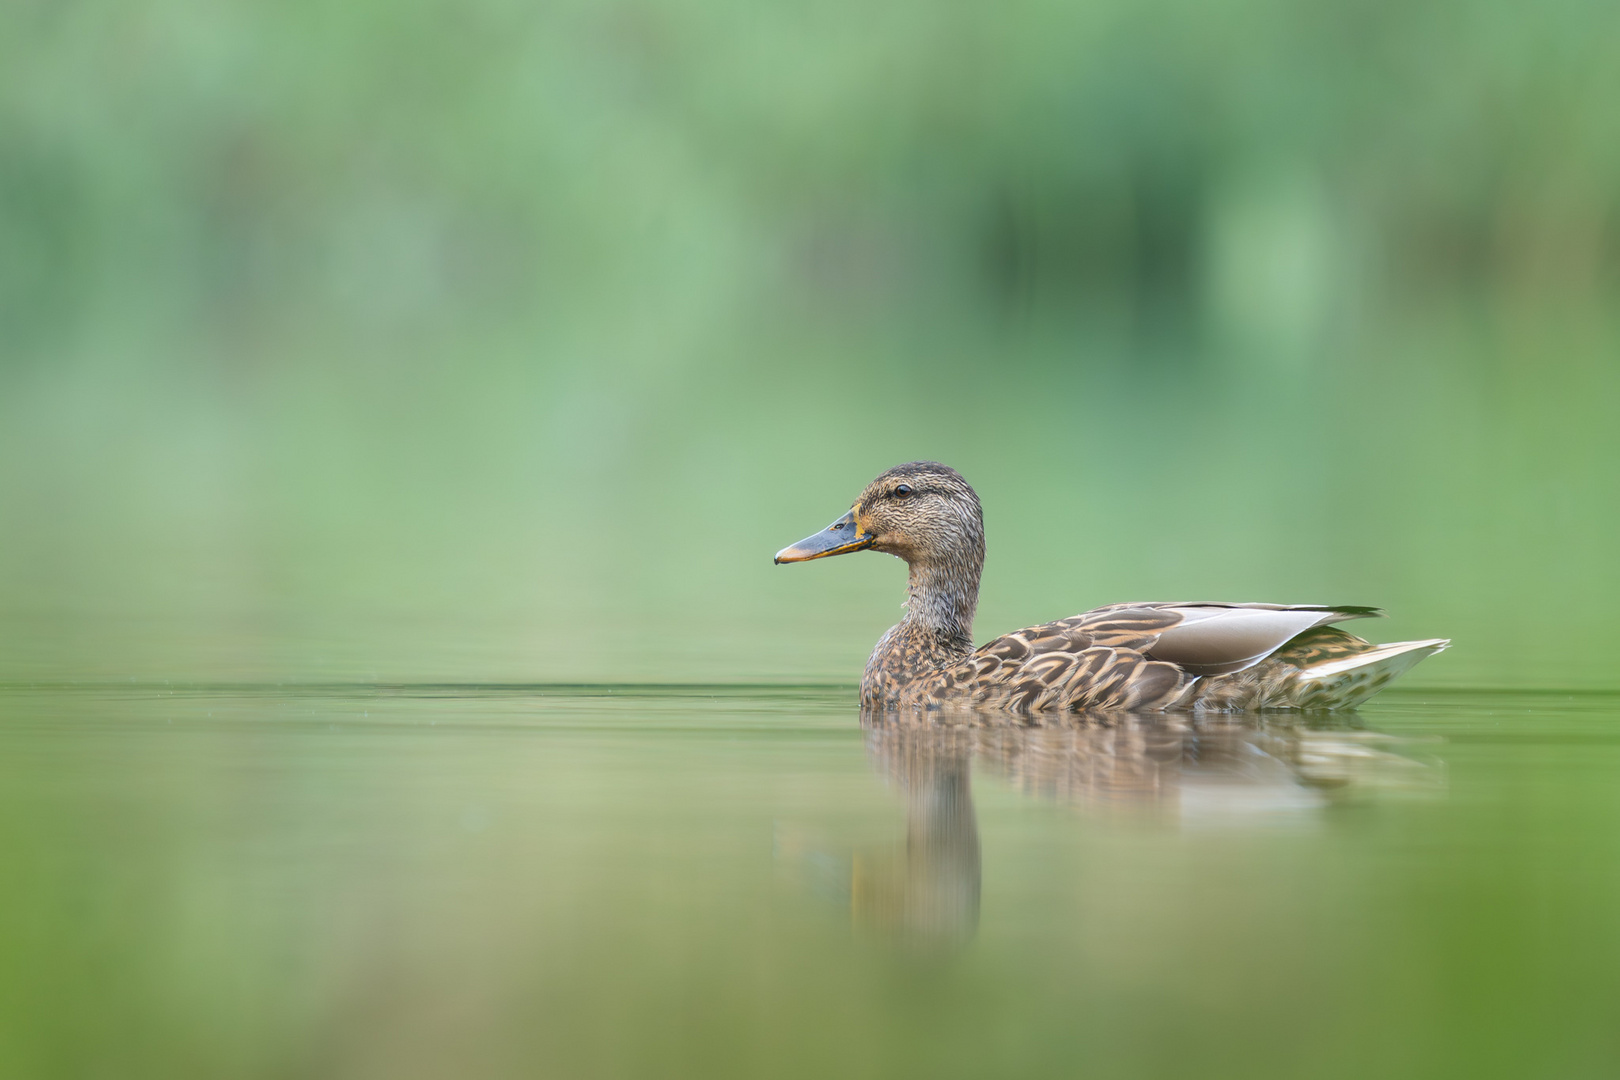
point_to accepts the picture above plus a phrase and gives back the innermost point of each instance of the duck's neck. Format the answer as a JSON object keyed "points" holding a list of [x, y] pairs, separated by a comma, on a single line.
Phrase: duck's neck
{"points": [[941, 598]]}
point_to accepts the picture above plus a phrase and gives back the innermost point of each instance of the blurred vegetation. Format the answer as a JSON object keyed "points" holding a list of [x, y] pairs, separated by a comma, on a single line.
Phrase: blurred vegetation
{"points": [[508, 341]]}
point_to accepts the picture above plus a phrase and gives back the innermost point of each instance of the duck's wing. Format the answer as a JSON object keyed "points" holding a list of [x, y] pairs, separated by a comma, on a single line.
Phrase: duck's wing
{"points": [[1218, 639], [1132, 656]]}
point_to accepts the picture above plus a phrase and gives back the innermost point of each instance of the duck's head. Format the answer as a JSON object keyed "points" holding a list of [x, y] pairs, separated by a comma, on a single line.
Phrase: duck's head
{"points": [[923, 512]]}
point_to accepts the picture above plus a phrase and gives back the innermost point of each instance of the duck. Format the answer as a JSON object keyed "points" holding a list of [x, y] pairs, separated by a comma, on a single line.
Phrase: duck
{"points": [[1195, 656]]}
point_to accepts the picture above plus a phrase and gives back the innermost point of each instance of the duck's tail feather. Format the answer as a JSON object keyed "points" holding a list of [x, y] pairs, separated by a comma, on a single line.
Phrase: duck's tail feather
{"points": [[1346, 681], [1323, 668]]}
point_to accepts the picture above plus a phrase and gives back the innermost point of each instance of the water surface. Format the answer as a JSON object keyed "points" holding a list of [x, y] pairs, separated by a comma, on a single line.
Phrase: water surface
{"points": [[577, 881]]}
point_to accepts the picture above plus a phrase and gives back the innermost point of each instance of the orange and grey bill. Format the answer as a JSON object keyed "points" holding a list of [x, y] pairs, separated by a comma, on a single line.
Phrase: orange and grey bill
{"points": [[841, 537]]}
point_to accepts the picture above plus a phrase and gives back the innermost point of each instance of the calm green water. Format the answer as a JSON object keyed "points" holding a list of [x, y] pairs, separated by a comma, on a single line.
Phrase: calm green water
{"points": [[457, 880]]}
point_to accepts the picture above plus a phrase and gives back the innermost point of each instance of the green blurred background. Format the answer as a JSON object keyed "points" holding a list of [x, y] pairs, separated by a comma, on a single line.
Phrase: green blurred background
{"points": [[500, 341]]}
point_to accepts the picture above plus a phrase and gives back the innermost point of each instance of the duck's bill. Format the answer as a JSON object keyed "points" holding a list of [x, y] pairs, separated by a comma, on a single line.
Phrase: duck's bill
{"points": [[839, 538]]}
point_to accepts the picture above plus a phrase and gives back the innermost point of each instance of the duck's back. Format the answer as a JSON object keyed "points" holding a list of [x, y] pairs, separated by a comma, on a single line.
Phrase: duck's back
{"points": [[1159, 656]]}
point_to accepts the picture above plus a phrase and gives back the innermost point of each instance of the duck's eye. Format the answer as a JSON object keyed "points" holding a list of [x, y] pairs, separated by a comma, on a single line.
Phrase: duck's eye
{"points": [[902, 490]]}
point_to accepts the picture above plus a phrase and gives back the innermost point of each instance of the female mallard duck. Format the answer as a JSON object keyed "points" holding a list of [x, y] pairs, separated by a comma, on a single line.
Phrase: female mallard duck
{"points": [[1152, 656]]}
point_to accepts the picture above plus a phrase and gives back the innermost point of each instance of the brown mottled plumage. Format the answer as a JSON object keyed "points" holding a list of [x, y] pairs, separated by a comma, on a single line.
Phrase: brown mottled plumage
{"points": [[1148, 656]]}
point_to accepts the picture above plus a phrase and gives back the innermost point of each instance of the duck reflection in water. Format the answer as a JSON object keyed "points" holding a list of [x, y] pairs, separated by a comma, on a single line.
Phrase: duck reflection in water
{"points": [[930, 891], [1232, 771]]}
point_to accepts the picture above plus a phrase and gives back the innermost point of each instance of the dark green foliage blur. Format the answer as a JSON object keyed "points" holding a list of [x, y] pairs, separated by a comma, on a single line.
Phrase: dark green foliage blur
{"points": [[494, 340]]}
